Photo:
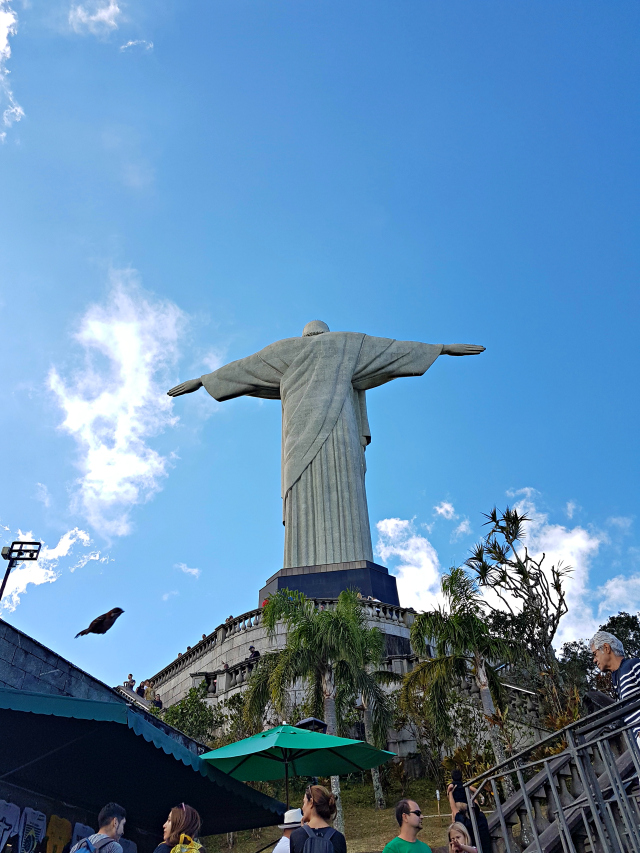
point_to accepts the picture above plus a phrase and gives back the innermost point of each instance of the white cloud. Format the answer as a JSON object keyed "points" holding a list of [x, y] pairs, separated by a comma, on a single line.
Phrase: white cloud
{"points": [[621, 521], [138, 174], [94, 556], [463, 529], [99, 17], [574, 547], [184, 568], [42, 494], [619, 593], [117, 400], [140, 43], [213, 359], [418, 569], [168, 595], [445, 509], [45, 569], [572, 506], [64, 546], [11, 109]]}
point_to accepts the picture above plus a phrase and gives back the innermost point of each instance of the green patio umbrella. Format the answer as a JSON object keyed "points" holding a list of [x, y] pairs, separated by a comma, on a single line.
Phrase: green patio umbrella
{"points": [[288, 751]]}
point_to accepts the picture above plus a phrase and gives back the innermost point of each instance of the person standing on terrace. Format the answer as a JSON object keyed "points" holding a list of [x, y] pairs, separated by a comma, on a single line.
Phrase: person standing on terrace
{"points": [[608, 656]]}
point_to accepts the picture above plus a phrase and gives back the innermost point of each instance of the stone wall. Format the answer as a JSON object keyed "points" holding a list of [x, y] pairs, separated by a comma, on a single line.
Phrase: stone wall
{"points": [[230, 642], [26, 664]]}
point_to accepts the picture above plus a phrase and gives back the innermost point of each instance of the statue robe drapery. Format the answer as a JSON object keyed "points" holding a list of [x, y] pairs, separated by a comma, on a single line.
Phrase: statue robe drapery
{"points": [[321, 381]]}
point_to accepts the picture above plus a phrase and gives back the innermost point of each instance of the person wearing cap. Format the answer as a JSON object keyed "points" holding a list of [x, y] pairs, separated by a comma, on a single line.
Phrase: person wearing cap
{"points": [[460, 812], [253, 654], [292, 820]]}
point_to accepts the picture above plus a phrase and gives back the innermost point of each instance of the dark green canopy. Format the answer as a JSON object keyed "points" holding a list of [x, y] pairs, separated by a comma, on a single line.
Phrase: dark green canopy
{"points": [[264, 756], [288, 751], [88, 753]]}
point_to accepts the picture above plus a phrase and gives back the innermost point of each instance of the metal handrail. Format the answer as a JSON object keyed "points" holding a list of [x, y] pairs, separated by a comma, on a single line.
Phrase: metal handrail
{"points": [[595, 720], [601, 807]]}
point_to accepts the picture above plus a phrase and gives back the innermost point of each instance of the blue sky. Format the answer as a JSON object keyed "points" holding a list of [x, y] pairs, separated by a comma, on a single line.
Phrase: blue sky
{"points": [[186, 182]]}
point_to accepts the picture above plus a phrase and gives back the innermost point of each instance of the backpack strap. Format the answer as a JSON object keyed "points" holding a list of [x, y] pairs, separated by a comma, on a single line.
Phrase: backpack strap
{"points": [[311, 833], [85, 844]]}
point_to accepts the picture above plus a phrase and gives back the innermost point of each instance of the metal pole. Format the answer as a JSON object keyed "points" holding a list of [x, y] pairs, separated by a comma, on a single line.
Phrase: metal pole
{"points": [[286, 782], [12, 565]]}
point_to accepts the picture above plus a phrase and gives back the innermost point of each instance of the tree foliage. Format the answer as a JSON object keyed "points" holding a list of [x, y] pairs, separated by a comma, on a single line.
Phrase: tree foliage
{"points": [[193, 716], [463, 644], [531, 593], [626, 628], [333, 652]]}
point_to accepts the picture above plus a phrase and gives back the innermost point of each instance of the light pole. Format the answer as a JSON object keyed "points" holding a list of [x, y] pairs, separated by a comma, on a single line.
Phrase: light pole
{"points": [[19, 552]]}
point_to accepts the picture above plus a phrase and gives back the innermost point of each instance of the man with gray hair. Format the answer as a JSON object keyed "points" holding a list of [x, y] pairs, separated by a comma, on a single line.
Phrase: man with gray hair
{"points": [[608, 656]]}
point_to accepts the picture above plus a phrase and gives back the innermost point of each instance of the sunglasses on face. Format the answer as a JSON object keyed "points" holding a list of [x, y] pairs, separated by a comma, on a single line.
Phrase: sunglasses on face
{"points": [[416, 812]]}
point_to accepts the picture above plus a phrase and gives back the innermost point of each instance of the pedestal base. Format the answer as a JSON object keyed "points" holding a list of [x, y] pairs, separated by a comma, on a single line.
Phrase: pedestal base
{"points": [[330, 580]]}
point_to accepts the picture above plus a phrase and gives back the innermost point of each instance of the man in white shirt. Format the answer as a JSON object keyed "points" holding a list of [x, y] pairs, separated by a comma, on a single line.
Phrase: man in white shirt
{"points": [[292, 820]]}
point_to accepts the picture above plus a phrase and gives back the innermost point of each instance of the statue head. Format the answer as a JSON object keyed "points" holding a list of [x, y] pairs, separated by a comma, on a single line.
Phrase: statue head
{"points": [[315, 327]]}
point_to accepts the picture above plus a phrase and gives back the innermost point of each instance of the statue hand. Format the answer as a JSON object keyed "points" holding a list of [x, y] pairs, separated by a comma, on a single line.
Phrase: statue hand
{"points": [[187, 387], [461, 349]]}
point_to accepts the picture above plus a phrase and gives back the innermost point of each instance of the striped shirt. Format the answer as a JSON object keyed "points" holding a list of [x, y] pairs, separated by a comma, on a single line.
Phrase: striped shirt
{"points": [[626, 682]]}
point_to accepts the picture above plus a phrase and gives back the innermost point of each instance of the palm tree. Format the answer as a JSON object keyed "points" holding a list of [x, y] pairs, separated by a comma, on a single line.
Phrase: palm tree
{"points": [[333, 652], [463, 642]]}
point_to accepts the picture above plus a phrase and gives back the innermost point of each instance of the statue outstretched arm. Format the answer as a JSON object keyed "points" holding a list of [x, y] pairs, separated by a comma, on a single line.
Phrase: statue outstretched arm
{"points": [[187, 387], [460, 349]]}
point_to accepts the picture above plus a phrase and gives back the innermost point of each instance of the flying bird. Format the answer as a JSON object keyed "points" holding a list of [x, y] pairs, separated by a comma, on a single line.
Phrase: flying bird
{"points": [[101, 624]]}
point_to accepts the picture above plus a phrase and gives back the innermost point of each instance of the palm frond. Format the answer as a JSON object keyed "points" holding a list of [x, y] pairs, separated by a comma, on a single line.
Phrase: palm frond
{"points": [[258, 693]]}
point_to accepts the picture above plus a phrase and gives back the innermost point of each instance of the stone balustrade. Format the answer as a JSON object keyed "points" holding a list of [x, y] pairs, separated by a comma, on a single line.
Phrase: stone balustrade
{"points": [[230, 642], [241, 623]]}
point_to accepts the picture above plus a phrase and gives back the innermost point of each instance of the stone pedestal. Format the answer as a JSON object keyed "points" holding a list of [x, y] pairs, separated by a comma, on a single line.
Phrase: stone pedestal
{"points": [[329, 580]]}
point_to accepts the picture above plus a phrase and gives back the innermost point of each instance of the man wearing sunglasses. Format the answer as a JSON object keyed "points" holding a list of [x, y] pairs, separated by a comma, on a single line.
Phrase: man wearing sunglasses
{"points": [[409, 819]]}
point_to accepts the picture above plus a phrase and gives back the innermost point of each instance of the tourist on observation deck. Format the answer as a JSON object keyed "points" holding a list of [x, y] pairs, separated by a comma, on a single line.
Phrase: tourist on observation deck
{"points": [[608, 656]]}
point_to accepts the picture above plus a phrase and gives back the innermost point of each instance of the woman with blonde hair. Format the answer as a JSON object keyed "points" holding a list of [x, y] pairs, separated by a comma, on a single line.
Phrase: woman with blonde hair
{"points": [[182, 827], [318, 811], [459, 838]]}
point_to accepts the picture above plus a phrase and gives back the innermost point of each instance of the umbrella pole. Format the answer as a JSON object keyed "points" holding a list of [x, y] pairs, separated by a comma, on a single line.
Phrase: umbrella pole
{"points": [[286, 782]]}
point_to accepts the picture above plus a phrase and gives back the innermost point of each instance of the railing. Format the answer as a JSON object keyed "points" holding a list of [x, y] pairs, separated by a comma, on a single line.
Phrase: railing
{"points": [[241, 623], [223, 680], [253, 619], [523, 705], [186, 659], [582, 799]]}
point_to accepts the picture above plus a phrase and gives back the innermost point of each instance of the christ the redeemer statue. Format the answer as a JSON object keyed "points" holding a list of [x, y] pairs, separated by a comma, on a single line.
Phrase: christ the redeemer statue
{"points": [[322, 379]]}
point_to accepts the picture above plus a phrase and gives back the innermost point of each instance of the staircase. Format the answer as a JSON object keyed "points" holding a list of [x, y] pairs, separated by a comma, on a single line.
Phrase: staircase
{"points": [[577, 790]]}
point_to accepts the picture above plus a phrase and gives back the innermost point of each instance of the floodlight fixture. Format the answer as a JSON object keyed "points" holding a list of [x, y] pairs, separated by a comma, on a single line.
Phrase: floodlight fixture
{"points": [[18, 552], [313, 724]]}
